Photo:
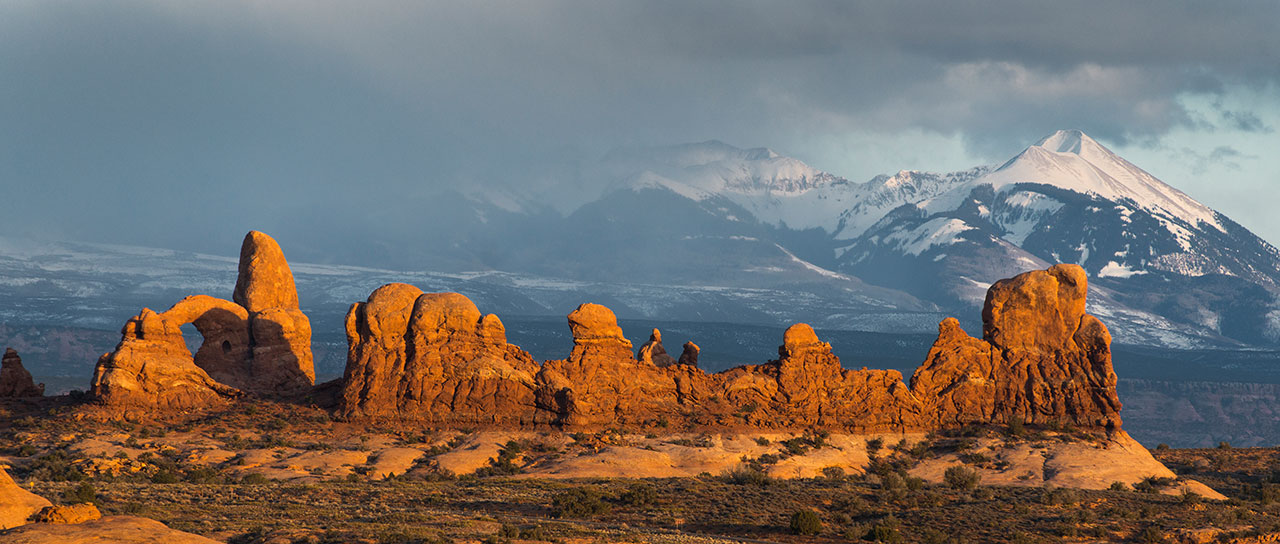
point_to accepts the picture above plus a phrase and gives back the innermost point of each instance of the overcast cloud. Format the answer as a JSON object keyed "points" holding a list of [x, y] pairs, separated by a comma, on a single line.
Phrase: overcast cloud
{"points": [[183, 124]]}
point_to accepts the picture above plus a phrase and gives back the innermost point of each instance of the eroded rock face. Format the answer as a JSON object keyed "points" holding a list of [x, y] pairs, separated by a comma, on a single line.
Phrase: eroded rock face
{"points": [[653, 353], [17, 504], [433, 356], [71, 513], [280, 334], [261, 343], [15, 381], [152, 368], [1041, 359]]}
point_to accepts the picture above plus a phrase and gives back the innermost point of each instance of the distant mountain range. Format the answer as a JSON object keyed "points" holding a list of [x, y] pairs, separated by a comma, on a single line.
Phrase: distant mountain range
{"points": [[710, 232]]}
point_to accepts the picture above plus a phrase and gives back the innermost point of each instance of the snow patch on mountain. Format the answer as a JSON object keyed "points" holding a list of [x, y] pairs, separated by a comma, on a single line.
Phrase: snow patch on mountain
{"points": [[933, 233]]}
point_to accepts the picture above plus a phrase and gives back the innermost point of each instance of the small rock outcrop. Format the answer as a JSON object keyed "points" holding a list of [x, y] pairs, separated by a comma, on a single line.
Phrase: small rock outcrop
{"points": [[113, 529], [261, 343], [15, 381], [433, 357], [690, 354], [653, 353], [17, 504], [71, 513]]}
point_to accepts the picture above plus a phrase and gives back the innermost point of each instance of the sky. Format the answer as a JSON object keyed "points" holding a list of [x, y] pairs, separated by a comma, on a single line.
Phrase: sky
{"points": [[185, 123]]}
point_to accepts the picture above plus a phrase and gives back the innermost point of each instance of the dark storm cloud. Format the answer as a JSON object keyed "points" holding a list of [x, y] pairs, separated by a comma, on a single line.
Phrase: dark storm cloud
{"points": [[162, 119]]}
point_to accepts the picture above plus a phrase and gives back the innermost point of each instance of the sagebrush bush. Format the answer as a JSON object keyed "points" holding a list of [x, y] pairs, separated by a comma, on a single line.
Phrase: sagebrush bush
{"points": [[959, 477], [806, 522], [579, 502]]}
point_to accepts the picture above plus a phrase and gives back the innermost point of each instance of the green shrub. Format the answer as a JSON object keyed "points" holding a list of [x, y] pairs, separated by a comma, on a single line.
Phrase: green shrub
{"points": [[641, 494], [883, 532], [579, 502], [1149, 535], [959, 477], [874, 445], [164, 477], [80, 493], [254, 478], [1016, 427], [1119, 486], [745, 475], [833, 473], [806, 522]]}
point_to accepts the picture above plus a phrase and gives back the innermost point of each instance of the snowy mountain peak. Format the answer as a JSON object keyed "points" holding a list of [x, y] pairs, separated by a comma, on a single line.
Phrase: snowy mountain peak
{"points": [[1068, 141], [1070, 159], [714, 167]]}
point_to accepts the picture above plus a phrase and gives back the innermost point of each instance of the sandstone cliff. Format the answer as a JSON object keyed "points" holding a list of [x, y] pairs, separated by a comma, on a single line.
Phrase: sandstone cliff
{"points": [[261, 343], [15, 381], [432, 356]]}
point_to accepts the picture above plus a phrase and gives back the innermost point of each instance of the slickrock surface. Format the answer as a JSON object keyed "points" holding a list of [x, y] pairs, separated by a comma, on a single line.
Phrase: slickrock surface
{"points": [[433, 357], [113, 529], [15, 381], [1042, 359], [260, 343], [17, 504]]}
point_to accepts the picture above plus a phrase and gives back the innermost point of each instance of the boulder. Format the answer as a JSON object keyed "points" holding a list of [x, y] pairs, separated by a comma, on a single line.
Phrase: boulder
{"points": [[15, 381], [17, 505], [73, 513], [435, 357], [653, 353]]}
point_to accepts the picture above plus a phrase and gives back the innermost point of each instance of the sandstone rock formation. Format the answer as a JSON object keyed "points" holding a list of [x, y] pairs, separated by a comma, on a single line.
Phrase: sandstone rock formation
{"points": [[690, 354], [653, 353], [15, 381], [17, 504], [261, 343], [152, 368], [1041, 358], [280, 334], [71, 513], [433, 357]]}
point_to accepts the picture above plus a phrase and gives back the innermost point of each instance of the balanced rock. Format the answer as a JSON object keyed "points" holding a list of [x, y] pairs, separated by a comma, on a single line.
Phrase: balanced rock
{"points": [[15, 381], [433, 356], [1041, 359], [653, 353], [265, 280], [17, 504], [152, 367]]}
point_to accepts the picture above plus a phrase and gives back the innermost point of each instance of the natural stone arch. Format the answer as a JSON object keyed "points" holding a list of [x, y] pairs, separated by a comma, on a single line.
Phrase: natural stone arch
{"points": [[224, 353]]}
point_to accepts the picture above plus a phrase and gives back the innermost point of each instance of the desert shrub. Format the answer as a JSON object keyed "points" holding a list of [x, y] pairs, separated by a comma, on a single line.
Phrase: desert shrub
{"points": [[80, 493], [833, 473], [1149, 535], [806, 522], [744, 475], [885, 531], [1119, 486], [959, 477], [1162, 446], [579, 502], [54, 467], [164, 477], [1224, 445], [891, 480], [762, 441], [913, 483], [1059, 495], [535, 532], [874, 445], [639, 495], [254, 478], [1016, 426], [509, 531], [1152, 484]]}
